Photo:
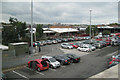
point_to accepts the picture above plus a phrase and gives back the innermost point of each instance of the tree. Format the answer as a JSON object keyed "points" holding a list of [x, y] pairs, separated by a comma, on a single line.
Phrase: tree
{"points": [[106, 32], [94, 30], [14, 31], [39, 31]]}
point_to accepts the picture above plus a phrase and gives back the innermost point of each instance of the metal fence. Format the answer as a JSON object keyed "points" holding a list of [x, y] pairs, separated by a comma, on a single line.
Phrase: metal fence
{"points": [[8, 53]]}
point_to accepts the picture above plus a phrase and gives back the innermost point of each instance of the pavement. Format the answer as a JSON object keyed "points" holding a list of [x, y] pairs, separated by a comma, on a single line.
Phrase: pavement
{"points": [[109, 73]]}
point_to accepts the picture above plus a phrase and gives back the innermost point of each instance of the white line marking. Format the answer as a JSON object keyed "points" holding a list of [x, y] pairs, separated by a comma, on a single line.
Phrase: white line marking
{"points": [[35, 71], [20, 74], [52, 69], [40, 73]]}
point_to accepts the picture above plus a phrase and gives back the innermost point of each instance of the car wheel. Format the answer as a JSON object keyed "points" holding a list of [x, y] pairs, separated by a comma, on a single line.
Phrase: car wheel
{"points": [[52, 66], [38, 69]]}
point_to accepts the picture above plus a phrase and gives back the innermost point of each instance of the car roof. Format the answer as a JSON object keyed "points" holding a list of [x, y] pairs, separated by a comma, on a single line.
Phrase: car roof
{"points": [[48, 57], [38, 60]]}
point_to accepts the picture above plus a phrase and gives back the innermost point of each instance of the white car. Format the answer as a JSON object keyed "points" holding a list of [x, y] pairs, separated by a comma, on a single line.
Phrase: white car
{"points": [[66, 45], [86, 48], [53, 63]]}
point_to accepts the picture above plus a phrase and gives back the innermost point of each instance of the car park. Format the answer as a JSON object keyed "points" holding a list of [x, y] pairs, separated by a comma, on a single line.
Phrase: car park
{"points": [[38, 64], [74, 58], [66, 45], [62, 59], [52, 61]]}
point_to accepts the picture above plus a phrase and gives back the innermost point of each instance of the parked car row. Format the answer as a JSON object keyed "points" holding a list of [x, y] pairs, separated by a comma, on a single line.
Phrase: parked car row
{"points": [[46, 62], [114, 61], [88, 45], [59, 40]]}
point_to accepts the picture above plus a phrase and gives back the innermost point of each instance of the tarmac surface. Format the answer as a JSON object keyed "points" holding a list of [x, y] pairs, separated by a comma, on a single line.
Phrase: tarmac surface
{"points": [[91, 63]]}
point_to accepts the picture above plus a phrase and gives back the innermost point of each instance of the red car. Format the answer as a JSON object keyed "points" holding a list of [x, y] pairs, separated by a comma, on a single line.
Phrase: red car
{"points": [[98, 39], [74, 45], [38, 64], [108, 40]]}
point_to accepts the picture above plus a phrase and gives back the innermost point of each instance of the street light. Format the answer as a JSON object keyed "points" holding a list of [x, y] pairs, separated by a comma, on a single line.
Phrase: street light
{"points": [[31, 26], [90, 23]]}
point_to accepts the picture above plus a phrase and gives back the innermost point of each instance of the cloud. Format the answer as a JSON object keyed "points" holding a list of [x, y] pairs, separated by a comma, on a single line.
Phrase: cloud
{"points": [[64, 12]]}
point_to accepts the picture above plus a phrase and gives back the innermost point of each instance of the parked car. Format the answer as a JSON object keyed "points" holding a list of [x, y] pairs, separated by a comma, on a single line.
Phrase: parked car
{"points": [[54, 41], [66, 45], [70, 39], [64, 40], [49, 41], [52, 61], [99, 44], [58, 40], [74, 58], [86, 48], [43, 42], [38, 64], [62, 59], [76, 38], [99, 39], [113, 63], [74, 45]]}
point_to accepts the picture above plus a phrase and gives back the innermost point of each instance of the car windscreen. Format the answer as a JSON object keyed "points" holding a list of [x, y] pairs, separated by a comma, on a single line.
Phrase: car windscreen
{"points": [[52, 60], [75, 56], [64, 57]]}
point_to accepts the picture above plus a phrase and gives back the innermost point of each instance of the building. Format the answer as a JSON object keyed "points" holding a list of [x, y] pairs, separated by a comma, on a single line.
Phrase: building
{"points": [[112, 28]]}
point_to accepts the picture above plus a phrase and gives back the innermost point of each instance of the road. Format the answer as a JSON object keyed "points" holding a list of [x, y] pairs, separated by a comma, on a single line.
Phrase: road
{"points": [[91, 64]]}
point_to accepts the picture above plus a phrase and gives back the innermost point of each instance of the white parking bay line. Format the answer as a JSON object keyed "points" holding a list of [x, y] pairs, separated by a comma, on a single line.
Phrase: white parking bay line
{"points": [[35, 71], [40, 73], [20, 74], [52, 69]]}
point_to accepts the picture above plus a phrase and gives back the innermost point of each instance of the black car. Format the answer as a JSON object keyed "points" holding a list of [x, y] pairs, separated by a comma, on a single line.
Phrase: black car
{"points": [[74, 58], [62, 59]]}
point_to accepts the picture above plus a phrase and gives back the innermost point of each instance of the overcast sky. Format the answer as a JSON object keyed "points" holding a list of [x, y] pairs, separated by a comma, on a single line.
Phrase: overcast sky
{"points": [[64, 12]]}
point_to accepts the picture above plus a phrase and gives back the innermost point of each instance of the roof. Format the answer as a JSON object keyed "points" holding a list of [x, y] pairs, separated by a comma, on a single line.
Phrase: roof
{"points": [[105, 27], [60, 30], [48, 57], [49, 32], [38, 60], [20, 43], [3, 47], [60, 27]]}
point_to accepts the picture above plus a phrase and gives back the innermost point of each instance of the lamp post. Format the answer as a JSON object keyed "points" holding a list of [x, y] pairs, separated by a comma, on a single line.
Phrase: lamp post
{"points": [[90, 23], [31, 26], [90, 29]]}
